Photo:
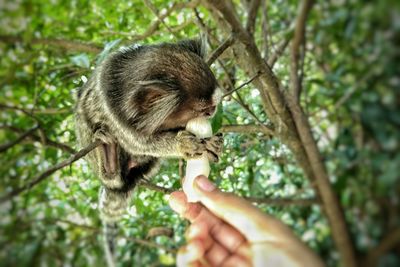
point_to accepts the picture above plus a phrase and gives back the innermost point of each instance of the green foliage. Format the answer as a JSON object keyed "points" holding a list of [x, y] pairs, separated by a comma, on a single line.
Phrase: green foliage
{"points": [[351, 95]]}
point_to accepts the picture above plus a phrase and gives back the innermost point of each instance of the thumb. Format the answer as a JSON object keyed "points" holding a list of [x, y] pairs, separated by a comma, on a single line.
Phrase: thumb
{"points": [[241, 214]]}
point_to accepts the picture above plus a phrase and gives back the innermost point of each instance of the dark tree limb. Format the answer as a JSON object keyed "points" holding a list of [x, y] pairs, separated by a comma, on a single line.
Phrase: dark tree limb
{"points": [[220, 49], [153, 9], [151, 244], [257, 200], [297, 42], [252, 15], [265, 30], [278, 52], [388, 242], [247, 129], [176, 6], [44, 140], [283, 201], [146, 184], [39, 178], [5, 147], [48, 111], [64, 44], [242, 85]]}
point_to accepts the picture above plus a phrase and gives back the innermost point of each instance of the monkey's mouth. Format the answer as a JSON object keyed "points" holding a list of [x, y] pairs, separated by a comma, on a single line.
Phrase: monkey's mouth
{"points": [[174, 130]]}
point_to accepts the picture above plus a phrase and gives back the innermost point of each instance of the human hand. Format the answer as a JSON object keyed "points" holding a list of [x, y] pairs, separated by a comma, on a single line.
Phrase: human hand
{"points": [[227, 230]]}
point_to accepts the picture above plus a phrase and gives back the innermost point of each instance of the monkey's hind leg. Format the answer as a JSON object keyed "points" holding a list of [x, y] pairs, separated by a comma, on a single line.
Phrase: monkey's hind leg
{"points": [[112, 202], [108, 165]]}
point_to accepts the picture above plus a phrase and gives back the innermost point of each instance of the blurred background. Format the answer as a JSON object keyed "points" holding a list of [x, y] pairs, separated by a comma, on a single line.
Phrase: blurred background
{"points": [[337, 60]]}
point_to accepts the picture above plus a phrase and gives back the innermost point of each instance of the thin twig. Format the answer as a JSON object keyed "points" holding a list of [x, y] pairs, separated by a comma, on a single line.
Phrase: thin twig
{"points": [[153, 9], [252, 15], [64, 44], [48, 111], [258, 200], [247, 129], [150, 244], [278, 52], [265, 30], [283, 201], [146, 184], [242, 85], [39, 178], [44, 140], [220, 49], [5, 147], [297, 42], [388, 242]]}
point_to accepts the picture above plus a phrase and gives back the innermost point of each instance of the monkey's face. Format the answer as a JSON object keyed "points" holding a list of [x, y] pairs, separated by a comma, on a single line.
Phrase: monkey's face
{"points": [[192, 108]]}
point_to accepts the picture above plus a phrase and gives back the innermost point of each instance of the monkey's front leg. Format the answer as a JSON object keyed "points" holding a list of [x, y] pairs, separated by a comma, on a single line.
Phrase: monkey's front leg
{"points": [[107, 156]]}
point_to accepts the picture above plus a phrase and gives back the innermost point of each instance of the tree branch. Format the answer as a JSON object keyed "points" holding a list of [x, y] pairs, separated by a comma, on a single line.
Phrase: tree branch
{"points": [[267, 201], [160, 19], [146, 184], [64, 44], [283, 201], [242, 85], [278, 52], [48, 111], [265, 30], [153, 9], [39, 178], [220, 49], [298, 40], [388, 242], [252, 15], [150, 244], [44, 140], [247, 129], [8, 145]]}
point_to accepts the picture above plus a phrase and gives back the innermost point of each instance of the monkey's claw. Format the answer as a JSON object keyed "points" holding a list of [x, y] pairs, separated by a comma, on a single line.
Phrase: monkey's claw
{"points": [[190, 146], [214, 146]]}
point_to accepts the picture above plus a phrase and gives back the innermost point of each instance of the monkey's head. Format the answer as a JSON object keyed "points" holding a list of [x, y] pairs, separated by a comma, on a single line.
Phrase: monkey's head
{"points": [[160, 87]]}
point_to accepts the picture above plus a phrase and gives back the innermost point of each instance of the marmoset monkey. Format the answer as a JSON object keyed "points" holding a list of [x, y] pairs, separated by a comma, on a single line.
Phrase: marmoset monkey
{"points": [[137, 103]]}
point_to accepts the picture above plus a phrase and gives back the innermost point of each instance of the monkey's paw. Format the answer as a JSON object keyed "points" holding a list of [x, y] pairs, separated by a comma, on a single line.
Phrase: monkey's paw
{"points": [[214, 146], [189, 145]]}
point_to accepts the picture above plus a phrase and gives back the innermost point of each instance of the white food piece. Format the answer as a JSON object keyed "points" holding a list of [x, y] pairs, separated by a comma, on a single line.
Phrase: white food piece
{"points": [[200, 127]]}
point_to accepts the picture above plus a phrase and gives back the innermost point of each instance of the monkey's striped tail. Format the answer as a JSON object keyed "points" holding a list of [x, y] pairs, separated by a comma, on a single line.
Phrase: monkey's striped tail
{"points": [[110, 233], [112, 205]]}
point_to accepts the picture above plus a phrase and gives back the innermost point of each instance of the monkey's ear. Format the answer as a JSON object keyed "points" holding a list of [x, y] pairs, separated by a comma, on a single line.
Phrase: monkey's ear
{"points": [[149, 95], [197, 46]]}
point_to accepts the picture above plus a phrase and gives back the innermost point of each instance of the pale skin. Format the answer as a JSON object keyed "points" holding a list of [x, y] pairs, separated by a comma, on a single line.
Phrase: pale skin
{"points": [[227, 230]]}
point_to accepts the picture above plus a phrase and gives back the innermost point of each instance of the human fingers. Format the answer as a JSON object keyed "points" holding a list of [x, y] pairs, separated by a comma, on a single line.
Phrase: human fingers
{"points": [[241, 214], [225, 234], [191, 211], [191, 254], [178, 202], [199, 231]]}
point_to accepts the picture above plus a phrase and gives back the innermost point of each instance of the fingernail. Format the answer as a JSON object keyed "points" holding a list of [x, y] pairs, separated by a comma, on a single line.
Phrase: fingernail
{"points": [[204, 183]]}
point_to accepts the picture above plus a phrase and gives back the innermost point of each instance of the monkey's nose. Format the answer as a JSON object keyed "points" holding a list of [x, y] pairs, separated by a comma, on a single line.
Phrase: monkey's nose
{"points": [[209, 111]]}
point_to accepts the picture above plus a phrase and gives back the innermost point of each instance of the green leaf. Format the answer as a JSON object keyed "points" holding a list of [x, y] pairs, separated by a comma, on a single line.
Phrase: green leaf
{"points": [[216, 121]]}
